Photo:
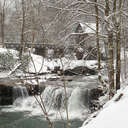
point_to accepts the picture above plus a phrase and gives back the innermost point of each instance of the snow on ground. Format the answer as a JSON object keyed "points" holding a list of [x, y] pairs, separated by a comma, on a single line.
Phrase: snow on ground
{"points": [[114, 113], [42, 64], [38, 64]]}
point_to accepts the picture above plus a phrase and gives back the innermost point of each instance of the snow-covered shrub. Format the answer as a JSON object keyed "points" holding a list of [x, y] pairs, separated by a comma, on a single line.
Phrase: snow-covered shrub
{"points": [[7, 60]]}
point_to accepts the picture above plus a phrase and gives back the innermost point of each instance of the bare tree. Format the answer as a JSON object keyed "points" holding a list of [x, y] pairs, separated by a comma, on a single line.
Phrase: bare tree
{"points": [[110, 52], [97, 41], [118, 47], [3, 22], [22, 45]]}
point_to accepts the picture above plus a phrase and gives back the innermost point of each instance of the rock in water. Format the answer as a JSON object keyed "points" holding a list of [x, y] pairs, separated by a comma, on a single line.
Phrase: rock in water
{"points": [[80, 70], [6, 95]]}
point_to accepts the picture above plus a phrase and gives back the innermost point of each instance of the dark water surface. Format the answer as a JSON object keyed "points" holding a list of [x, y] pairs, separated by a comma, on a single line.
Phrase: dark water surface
{"points": [[22, 120]]}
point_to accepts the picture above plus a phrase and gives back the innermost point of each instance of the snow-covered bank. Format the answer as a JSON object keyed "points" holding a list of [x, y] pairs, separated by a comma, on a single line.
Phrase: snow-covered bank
{"points": [[39, 64], [44, 65], [4, 50], [114, 113]]}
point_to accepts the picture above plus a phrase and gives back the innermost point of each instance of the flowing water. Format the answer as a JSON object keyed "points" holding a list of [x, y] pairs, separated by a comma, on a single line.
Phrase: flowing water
{"points": [[27, 113], [24, 120]]}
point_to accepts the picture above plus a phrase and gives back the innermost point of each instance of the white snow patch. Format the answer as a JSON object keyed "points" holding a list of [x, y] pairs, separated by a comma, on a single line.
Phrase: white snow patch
{"points": [[39, 64], [42, 64], [114, 113]]}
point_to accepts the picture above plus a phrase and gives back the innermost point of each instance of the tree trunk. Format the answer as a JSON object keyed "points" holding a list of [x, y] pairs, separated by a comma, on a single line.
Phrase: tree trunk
{"points": [[110, 63], [22, 45], [33, 29], [33, 39], [125, 61], [110, 54], [3, 24], [98, 45], [118, 60]]}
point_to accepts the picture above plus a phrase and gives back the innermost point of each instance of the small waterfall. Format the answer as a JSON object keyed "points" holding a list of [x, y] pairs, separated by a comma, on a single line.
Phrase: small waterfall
{"points": [[20, 91], [54, 101], [54, 97], [19, 94], [78, 100], [9, 93]]}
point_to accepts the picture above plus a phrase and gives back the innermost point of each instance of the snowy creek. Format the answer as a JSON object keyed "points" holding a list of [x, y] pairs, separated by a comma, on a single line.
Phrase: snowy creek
{"points": [[25, 112]]}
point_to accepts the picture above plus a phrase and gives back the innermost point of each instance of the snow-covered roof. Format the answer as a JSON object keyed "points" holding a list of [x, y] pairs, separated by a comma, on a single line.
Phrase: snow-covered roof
{"points": [[88, 27]]}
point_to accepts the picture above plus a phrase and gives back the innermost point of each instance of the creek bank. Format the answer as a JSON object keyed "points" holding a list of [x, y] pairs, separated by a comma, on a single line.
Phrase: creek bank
{"points": [[11, 89], [6, 91], [79, 70], [6, 95]]}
